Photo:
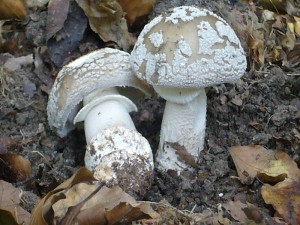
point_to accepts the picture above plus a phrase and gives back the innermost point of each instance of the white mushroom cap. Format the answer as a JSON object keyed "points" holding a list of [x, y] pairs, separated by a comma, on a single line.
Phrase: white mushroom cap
{"points": [[188, 47], [100, 69], [121, 155]]}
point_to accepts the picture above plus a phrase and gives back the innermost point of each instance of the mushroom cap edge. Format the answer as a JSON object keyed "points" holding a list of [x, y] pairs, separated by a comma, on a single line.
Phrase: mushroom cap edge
{"points": [[102, 68]]}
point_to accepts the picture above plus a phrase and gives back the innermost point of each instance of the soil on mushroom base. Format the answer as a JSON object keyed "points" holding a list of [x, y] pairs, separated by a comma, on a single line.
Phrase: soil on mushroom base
{"points": [[258, 109]]}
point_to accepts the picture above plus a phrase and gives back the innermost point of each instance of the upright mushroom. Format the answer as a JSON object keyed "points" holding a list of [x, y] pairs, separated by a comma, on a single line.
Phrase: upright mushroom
{"points": [[116, 152], [179, 54]]}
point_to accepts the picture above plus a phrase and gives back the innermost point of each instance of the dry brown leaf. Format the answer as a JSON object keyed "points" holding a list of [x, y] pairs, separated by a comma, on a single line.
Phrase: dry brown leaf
{"points": [[237, 100], [44, 206], [75, 195], [256, 40], [15, 168], [7, 218], [234, 208], [57, 15], [297, 25], [114, 205], [12, 10], [269, 166], [127, 212], [106, 18], [81, 200], [10, 200], [247, 213], [273, 33], [289, 39], [293, 57], [136, 8], [278, 6], [285, 198], [183, 154], [13, 63]]}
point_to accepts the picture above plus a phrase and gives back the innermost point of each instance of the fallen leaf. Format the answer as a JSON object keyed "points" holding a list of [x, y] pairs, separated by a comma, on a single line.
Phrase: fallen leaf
{"points": [[285, 198], [289, 39], [75, 195], [280, 165], [82, 200], [125, 211], [12, 10], [13, 63], [247, 213], [234, 208], [113, 204], [107, 20], [57, 15], [136, 8], [183, 154], [278, 6], [10, 200], [237, 100], [14, 168], [297, 25], [44, 206], [7, 218], [68, 39], [267, 165], [256, 37]]}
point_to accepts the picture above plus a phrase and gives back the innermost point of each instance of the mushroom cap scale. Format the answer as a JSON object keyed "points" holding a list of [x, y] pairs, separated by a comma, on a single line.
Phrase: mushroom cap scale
{"points": [[100, 69], [188, 48]]}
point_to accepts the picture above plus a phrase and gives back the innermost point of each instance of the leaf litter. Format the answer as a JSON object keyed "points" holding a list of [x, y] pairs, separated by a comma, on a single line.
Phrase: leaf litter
{"points": [[10, 209], [82, 200], [271, 167], [273, 38]]}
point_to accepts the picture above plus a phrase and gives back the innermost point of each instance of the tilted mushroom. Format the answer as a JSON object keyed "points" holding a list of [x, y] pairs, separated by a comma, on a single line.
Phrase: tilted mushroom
{"points": [[116, 152], [179, 54]]}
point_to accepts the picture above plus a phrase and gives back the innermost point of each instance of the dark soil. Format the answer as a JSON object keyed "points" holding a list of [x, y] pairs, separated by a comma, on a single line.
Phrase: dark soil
{"points": [[262, 108]]}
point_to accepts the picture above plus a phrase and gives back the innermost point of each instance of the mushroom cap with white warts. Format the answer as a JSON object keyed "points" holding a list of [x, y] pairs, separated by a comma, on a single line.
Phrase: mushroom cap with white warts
{"points": [[188, 47], [102, 68], [117, 153]]}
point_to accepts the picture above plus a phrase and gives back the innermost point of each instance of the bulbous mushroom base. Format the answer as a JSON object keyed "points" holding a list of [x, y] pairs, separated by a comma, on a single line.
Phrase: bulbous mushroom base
{"points": [[128, 171], [119, 155]]}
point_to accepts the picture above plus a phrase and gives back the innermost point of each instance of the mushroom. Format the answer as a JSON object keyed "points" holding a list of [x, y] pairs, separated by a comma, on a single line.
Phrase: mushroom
{"points": [[116, 152], [179, 54]]}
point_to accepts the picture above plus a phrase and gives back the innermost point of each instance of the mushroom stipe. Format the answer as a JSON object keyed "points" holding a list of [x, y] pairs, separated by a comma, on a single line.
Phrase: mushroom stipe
{"points": [[180, 53]]}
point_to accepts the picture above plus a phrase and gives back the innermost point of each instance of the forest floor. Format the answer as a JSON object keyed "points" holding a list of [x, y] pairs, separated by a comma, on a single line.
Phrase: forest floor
{"points": [[262, 108]]}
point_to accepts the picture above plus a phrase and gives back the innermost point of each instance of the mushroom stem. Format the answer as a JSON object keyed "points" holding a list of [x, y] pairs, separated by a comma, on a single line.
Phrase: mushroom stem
{"points": [[116, 152], [100, 118], [105, 108], [187, 129]]}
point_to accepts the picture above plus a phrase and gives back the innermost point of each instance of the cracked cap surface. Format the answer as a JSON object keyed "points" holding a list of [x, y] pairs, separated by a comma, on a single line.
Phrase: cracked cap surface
{"points": [[102, 68], [188, 47]]}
